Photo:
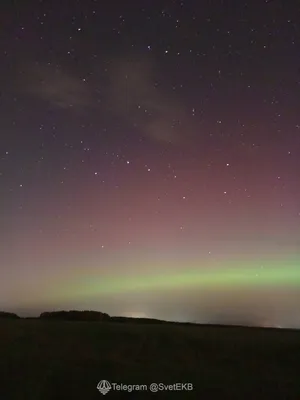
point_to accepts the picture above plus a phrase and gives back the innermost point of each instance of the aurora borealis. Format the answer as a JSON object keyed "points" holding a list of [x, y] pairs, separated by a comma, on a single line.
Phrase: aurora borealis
{"points": [[150, 160]]}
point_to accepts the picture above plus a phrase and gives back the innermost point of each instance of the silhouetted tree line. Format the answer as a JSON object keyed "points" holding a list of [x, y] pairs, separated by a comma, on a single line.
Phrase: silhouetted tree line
{"points": [[95, 316], [74, 315]]}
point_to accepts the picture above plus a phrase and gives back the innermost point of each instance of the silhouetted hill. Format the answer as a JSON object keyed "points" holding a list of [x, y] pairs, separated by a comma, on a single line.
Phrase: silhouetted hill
{"points": [[74, 315], [8, 315], [138, 320], [89, 315]]}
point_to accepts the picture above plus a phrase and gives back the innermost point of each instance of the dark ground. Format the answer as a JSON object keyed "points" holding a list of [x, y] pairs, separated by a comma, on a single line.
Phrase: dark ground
{"points": [[65, 360]]}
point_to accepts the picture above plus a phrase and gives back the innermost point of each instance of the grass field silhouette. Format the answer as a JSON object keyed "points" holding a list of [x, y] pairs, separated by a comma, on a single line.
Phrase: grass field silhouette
{"points": [[58, 359]]}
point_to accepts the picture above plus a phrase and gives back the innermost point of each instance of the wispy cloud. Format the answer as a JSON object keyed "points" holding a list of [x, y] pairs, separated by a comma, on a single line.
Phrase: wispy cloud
{"points": [[54, 85], [136, 96], [132, 93]]}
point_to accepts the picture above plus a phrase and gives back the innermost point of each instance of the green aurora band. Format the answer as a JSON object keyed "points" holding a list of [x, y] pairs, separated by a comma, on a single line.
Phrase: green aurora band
{"points": [[273, 274]]}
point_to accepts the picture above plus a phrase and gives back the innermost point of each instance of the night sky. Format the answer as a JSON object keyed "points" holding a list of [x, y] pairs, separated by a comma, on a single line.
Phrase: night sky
{"points": [[150, 159]]}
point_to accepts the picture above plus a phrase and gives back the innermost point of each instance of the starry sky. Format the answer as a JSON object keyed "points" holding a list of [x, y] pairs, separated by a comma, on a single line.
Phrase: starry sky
{"points": [[150, 159]]}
